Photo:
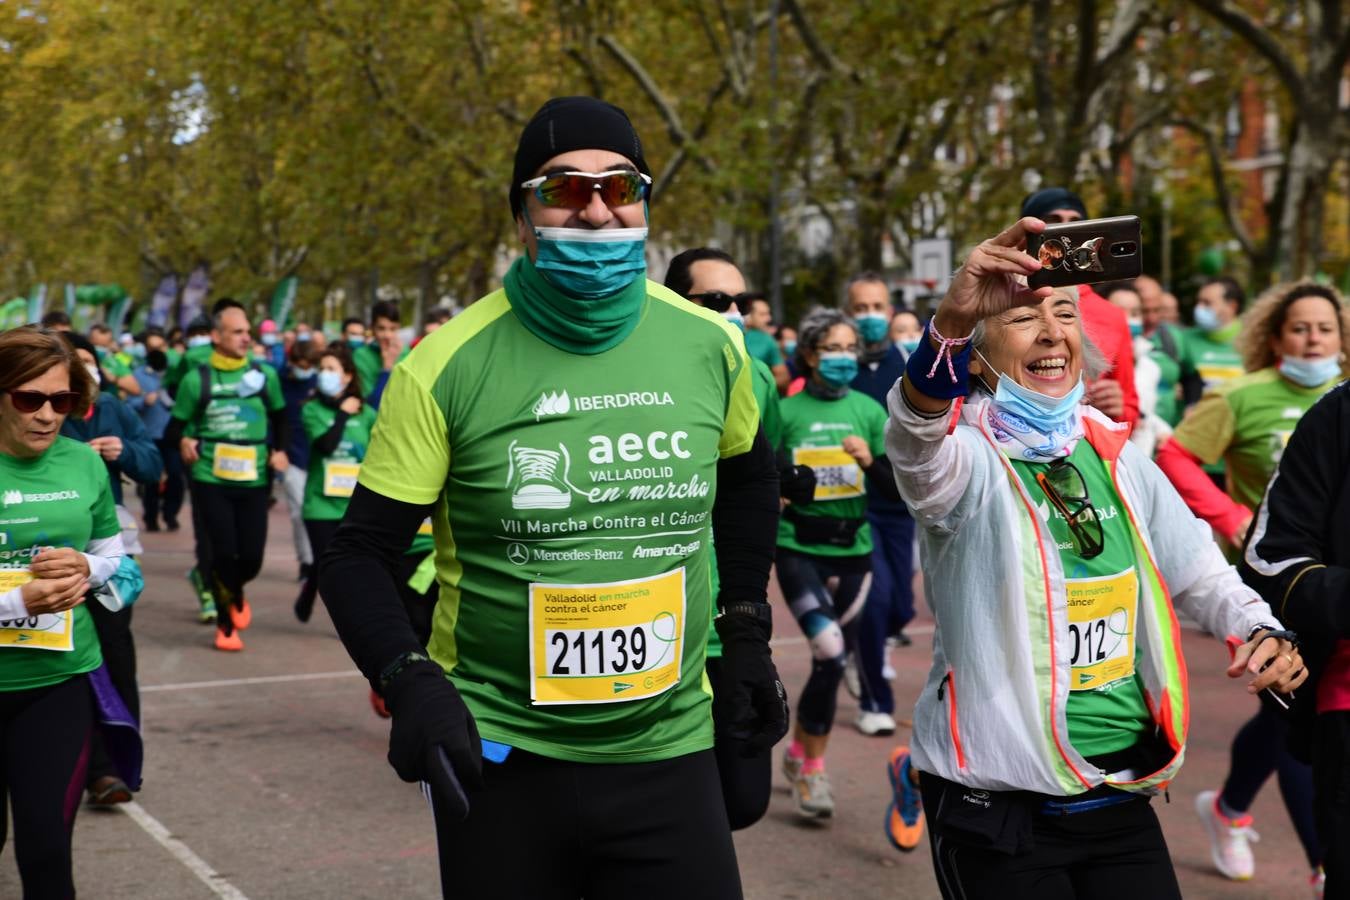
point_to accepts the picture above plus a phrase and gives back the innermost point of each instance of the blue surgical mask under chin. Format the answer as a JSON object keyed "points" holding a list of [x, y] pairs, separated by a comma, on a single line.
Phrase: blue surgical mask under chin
{"points": [[589, 263], [735, 318], [1207, 319], [1310, 373], [873, 327], [1041, 411], [837, 369], [330, 382]]}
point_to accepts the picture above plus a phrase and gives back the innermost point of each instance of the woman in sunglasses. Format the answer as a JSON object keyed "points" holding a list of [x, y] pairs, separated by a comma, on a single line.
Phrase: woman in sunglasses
{"points": [[1053, 554], [60, 540]]}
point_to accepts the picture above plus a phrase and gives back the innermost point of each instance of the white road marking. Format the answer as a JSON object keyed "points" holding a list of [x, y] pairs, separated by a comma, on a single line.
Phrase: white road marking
{"points": [[182, 852], [235, 682]]}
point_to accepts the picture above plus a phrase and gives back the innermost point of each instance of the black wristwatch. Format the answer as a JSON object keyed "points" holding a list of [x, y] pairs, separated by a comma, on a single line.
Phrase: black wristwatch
{"points": [[401, 662], [758, 611]]}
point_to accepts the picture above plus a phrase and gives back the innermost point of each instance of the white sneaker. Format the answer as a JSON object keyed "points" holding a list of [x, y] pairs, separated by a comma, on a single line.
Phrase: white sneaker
{"points": [[813, 796], [888, 670], [1229, 840], [873, 724], [851, 680], [792, 767]]}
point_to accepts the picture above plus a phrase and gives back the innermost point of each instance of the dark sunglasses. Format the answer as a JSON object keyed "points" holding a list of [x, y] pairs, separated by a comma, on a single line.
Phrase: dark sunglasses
{"points": [[573, 190], [31, 401], [719, 301], [1064, 486]]}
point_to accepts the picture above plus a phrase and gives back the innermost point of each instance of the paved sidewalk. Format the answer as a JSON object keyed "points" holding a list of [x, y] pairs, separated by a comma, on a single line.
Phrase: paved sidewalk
{"points": [[266, 774]]}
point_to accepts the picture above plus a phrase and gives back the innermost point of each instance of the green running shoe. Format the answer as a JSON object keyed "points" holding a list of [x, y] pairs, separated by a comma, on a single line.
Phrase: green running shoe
{"points": [[205, 598]]}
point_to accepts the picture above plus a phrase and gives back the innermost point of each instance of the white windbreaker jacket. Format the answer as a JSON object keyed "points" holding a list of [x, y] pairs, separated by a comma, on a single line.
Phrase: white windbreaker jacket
{"points": [[992, 714]]}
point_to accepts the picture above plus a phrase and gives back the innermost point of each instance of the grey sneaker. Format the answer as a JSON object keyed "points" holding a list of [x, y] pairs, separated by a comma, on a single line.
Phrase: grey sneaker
{"points": [[812, 793], [792, 767]]}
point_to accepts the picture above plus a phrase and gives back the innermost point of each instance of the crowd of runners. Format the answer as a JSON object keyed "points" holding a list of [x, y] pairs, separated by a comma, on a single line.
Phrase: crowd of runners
{"points": [[545, 529]]}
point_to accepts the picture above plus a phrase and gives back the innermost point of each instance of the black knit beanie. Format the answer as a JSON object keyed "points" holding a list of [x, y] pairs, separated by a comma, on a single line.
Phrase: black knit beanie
{"points": [[1046, 201], [573, 123]]}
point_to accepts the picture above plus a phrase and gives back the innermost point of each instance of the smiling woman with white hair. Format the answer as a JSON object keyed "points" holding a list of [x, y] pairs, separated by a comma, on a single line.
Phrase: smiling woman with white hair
{"points": [[1053, 554]]}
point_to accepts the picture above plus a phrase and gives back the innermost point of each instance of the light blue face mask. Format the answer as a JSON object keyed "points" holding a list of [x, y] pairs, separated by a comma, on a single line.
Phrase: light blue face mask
{"points": [[1310, 372], [735, 318], [199, 340], [789, 348], [838, 369], [1136, 328], [909, 345], [1041, 411], [590, 263], [356, 341], [1207, 319], [330, 382], [873, 327]]}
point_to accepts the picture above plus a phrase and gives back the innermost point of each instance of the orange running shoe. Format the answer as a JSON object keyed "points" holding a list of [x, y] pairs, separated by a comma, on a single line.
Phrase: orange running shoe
{"points": [[904, 815], [377, 704], [241, 616], [231, 642]]}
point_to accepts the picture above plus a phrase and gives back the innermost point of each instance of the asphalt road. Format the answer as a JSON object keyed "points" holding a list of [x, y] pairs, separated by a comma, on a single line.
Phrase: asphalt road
{"points": [[266, 777]]}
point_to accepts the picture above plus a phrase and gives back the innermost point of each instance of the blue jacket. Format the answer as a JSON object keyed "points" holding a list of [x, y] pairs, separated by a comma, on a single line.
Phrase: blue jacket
{"points": [[876, 380], [140, 459], [156, 417], [295, 391]]}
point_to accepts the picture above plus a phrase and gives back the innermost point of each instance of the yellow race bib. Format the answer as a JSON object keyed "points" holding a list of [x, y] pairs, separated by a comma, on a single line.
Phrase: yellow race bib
{"points": [[1101, 622], [235, 462], [606, 643], [339, 478], [50, 631], [838, 475]]}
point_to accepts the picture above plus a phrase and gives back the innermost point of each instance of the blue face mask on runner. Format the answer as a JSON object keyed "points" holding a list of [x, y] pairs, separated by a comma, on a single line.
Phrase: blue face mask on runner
{"points": [[838, 369], [909, 345], [1310, 372], [1040, 411], [735, 318], [1206, 319], [590, 263], [873, 327], [330, 382]]}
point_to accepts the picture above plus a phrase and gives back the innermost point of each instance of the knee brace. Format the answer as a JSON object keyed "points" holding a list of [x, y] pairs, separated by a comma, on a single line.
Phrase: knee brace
{"points": [[827, 644]]}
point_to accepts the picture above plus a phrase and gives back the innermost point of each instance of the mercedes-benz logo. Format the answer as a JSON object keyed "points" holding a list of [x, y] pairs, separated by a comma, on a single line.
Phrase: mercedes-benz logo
{"points": [[518, 554]]}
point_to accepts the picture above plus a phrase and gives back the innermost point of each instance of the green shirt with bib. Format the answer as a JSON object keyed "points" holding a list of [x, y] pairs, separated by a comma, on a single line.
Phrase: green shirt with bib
{"points": [[332, 478], [232, 426]]}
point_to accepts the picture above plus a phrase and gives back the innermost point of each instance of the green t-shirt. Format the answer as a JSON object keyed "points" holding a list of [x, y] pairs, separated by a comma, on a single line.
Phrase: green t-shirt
{"points": [[1246, 422], [60, 499], [331, 478], [762, 347], [191, 358], [1106, 708], [1212, 354], [369, 364], [233, 427], [573, 502], [813, 432]]}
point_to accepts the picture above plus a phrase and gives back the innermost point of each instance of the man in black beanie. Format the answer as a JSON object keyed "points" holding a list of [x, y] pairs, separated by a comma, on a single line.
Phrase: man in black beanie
{"points": [[563, 436], [1114, 393]]}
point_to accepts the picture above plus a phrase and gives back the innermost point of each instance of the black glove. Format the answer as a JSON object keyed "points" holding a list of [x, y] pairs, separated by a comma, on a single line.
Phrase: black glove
{"points": [[752, 705], [434, 738], [797, 484]]}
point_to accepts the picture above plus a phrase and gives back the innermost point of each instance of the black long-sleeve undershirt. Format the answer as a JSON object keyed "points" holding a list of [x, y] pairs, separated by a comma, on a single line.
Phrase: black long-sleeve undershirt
{"points": [[327, 442], [882, 478], [357, 575]]}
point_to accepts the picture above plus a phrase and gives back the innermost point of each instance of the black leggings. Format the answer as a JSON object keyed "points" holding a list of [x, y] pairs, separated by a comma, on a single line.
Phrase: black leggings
{"points": [[1258, 750], [172, 499], [1331, 776], [830, 621], [1114, 853], [545, 829], [44, 751], [119, 655], [234, 520]]}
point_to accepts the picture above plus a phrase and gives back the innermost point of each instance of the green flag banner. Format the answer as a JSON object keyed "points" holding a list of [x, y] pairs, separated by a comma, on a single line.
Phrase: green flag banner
{"points": [[283, 301], [14, 313], [37, 299]]}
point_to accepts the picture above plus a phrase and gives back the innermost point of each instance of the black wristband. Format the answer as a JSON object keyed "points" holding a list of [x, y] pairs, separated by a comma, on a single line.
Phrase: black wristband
{"points": [[749, 608], [400, 663]]}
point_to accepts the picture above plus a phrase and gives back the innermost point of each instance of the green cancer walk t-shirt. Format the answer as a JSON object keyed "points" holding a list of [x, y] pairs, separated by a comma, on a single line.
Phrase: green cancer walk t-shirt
{"points": [[573, 502], [812, 434], [763, 347], [1246, 423], [233, 427], [1106, 707], [332, 479], [60, 499]]}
